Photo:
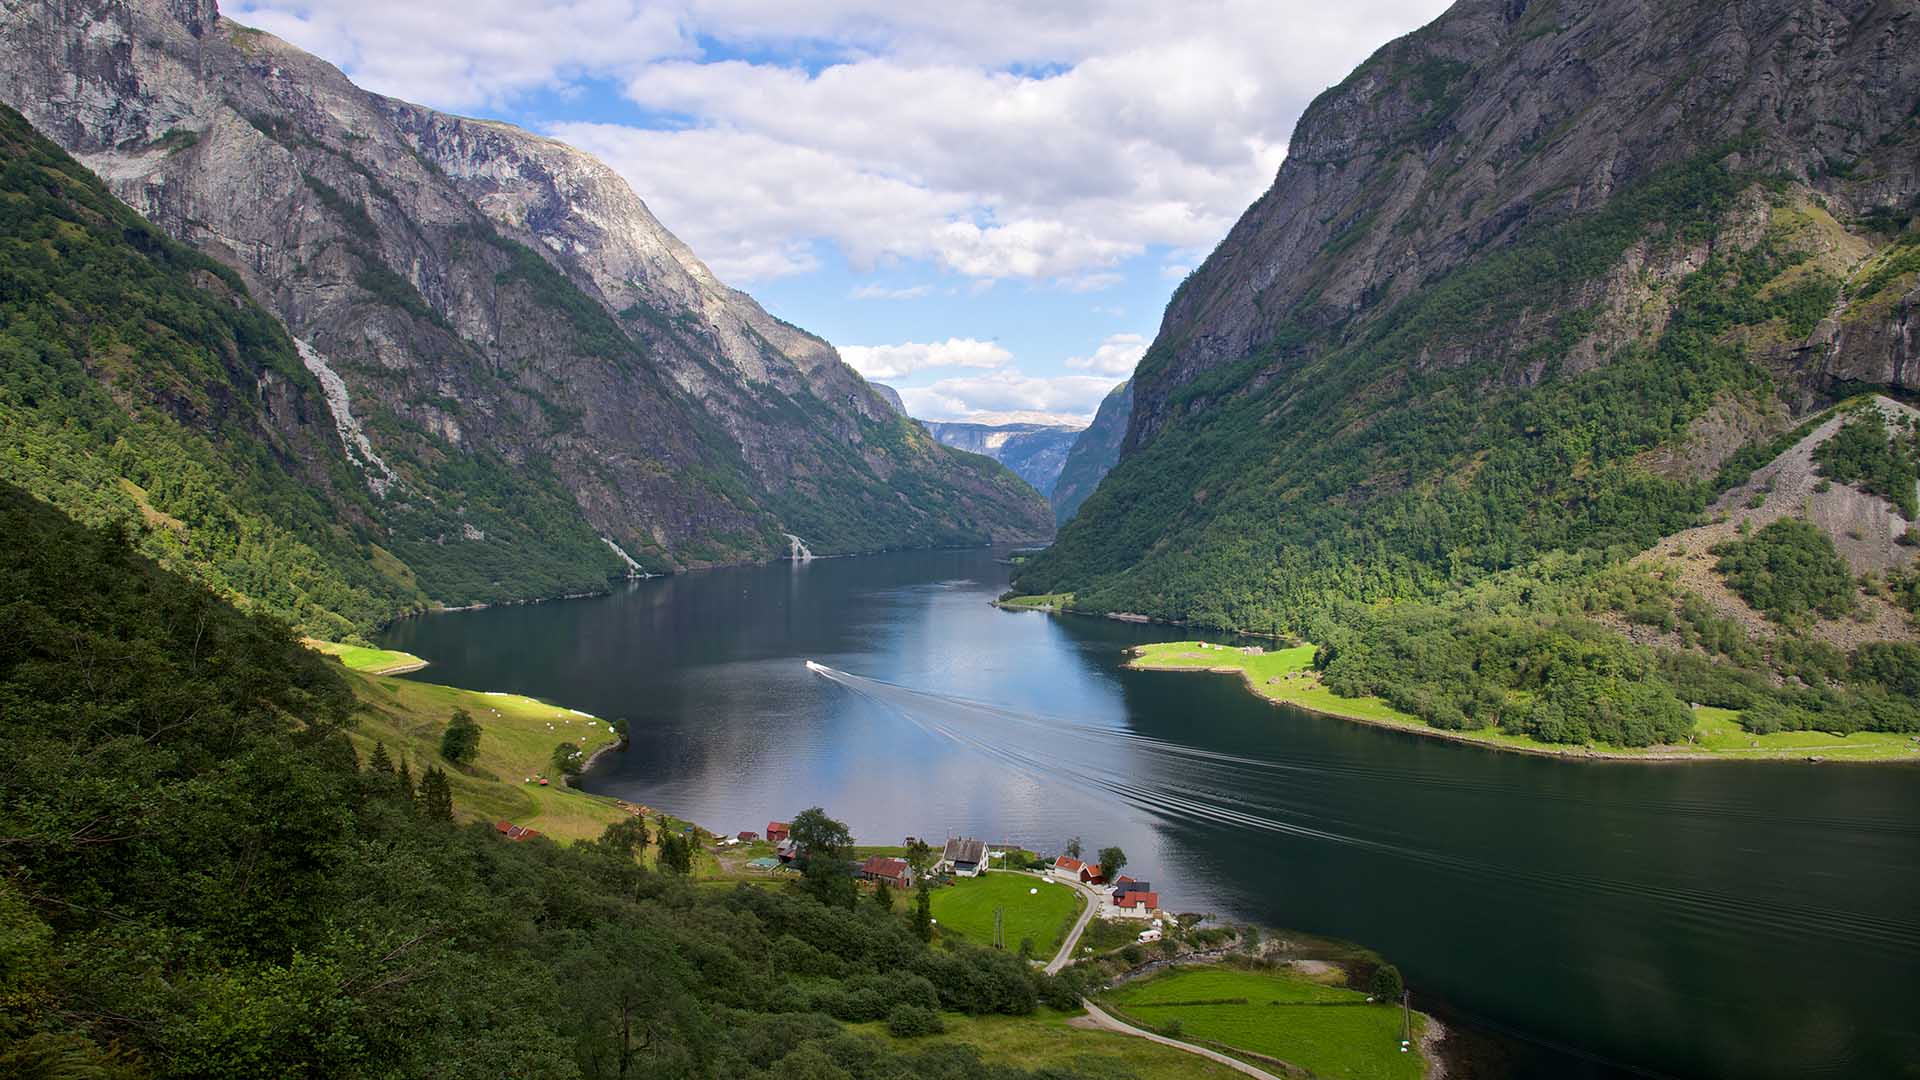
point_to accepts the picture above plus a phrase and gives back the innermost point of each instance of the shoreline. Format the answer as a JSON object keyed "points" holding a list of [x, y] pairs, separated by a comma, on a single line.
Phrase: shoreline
{"points": [[1653, 755]]}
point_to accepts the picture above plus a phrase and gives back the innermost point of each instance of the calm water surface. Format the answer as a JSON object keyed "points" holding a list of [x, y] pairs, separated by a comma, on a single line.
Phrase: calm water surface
{"points": [[1696, 920]]}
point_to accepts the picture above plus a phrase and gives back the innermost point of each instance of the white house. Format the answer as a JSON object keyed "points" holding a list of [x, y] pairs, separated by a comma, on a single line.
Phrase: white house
{"points": [[963, 857]]}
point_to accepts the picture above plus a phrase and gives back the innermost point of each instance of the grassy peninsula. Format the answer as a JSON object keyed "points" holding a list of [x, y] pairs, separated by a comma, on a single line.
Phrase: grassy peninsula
{"points": [[1287, 677]]}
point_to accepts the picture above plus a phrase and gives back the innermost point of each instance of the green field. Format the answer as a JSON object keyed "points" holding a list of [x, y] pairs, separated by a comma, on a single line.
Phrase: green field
{"points": [[371, 661], [1044, 602], [1286, 675], [1046, 1040], [515, 743], [966, 909], [1328, 1030]]}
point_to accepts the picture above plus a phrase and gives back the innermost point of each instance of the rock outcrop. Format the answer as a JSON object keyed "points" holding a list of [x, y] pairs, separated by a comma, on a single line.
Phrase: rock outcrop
{"points": [[537, 364], [1504, 114]]}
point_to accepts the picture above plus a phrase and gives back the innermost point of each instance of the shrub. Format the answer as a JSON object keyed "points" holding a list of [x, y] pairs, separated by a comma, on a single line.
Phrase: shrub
{"points": [[1386, 986], [913, 1021]]}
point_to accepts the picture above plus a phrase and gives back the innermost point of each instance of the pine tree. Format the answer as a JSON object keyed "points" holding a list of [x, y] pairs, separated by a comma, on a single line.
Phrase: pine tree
{"points": [[883, 897], [923, 912], [406, 781], [436, 795], [380, 762]]}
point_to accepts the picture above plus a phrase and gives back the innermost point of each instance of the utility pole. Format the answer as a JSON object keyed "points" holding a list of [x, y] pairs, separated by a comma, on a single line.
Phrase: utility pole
{"points": [[999, 936], [1406, 1021]]}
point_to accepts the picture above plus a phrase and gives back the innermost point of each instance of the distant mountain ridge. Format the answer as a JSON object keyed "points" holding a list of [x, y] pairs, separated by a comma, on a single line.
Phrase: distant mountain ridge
{"points": [[1035, 452], [1093, 453], [550, 387]]}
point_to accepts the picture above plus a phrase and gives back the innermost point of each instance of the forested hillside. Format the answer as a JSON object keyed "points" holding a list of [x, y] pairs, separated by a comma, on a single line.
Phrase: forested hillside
{"points": [[140, 386], [1534, 285], [199, 880]]}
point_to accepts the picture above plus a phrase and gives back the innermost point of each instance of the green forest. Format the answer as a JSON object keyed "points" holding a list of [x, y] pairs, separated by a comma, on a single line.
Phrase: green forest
{"points": [[199, 879]]}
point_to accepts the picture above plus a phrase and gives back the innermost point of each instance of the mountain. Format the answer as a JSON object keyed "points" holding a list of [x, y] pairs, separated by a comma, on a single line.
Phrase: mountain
{"points": [[1534, 285], [1093, 453], [1035, 452], [540, 386]]}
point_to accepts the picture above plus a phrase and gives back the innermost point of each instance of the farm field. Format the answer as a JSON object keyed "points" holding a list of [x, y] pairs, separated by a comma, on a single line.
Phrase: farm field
{"points": [[1033, 909], [1328, 1030]]}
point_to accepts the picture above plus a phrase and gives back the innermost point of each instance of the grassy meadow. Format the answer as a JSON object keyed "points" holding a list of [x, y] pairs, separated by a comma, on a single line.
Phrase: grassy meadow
{"points": [[1329, 1030], [1049, 1039], [966, 909], [370, 660], [517, 738]]}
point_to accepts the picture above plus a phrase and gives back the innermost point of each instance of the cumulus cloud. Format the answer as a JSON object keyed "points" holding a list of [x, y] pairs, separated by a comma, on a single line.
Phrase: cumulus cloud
{"points": [[995, 140], [989, 398], [899, 361], [1117, 355]]}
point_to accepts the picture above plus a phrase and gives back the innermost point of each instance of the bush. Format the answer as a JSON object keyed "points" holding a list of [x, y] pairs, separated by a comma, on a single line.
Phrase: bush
{"points": [[1386, 986], [913, 1021]]}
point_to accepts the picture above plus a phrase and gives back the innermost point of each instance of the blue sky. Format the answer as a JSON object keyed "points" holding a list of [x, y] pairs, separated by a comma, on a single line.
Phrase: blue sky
{"points": [[984, 205]]}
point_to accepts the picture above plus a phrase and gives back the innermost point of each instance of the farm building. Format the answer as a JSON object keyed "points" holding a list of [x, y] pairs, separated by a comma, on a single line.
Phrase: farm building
{"points": [[895, 872], [964, 857]]}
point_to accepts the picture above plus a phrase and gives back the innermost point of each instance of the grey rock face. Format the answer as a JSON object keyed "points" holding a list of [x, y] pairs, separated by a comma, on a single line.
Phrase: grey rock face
{"points": [[1449, 142], [1093, 453], [1035, 452], [530, 352]]}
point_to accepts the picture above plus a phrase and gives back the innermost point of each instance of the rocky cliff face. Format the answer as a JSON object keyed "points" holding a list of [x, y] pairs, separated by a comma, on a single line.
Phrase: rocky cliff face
{"points": [[1035, 452], [1503, 115], [1516, 274], [1093, 453], [549, 381]]}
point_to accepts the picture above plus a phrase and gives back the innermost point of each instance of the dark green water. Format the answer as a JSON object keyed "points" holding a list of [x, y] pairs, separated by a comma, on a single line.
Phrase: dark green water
{"points": [[1691, 920]]}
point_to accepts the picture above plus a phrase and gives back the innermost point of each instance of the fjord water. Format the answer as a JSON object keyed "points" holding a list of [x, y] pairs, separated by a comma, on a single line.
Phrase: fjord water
{"points": [[1733, 919]]}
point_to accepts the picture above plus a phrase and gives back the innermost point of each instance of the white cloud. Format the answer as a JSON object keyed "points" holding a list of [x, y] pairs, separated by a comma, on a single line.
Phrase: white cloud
{"points": [[873, 291], [996, 140], [1117, 355], [899, 361], [1066, 398]]}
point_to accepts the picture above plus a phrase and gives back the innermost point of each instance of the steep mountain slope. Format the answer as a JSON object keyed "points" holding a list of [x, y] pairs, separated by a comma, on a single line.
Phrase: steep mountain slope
{"points": [[1511, 261], [1093, 453], [139, 385], [1035, 452], [542, 373], [1535, 286]]}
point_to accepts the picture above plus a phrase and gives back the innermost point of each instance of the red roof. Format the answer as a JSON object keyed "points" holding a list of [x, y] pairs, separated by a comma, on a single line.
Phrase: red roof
{"points": [[748, 836], [515, 832], [1071, 866], [1122, 882], [1148, 900], [882, 866], [777, 829]]}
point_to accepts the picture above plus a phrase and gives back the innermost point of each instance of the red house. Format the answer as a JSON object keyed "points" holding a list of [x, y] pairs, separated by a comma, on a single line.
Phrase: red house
{"points": [[777, 831], [1075, 870], [895, 872], [747, 836], [515, 832]]}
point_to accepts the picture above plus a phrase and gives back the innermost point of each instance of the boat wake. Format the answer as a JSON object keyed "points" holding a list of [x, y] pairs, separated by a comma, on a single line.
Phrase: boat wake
{"points": [[1180, 783]]}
